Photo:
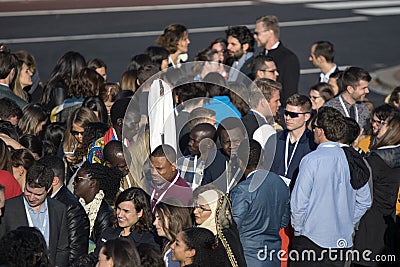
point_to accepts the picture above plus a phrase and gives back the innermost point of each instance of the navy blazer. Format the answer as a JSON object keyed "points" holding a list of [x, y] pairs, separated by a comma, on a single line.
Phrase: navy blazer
{"points": [[275, 151]]}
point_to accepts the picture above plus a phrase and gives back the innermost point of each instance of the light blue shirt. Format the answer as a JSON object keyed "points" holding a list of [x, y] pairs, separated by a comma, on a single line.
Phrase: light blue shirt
{"points": [[39, 219], [324, 205]]}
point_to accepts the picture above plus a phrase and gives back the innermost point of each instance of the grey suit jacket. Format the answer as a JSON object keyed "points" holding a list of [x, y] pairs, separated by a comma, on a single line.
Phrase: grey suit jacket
{"points": [[15, 216]]}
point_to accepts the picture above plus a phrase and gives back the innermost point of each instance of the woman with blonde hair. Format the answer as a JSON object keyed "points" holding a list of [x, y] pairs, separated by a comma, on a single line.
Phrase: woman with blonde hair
{"points": [[175, 40], [26, 69], [377, 229], [33, 118], [212, 210]]}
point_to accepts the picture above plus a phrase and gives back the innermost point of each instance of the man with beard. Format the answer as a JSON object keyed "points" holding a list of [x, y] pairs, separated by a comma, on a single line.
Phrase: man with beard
{"points": [[240, 47], [355, 84]]}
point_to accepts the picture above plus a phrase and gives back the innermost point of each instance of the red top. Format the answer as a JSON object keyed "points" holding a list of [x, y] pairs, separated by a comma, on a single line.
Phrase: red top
{"points": [[10, 183]]}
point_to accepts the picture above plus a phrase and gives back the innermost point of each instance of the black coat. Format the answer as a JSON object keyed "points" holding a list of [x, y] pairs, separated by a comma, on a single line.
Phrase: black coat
{"points": [[103, 220], [252, 121], [136, 238], [15, 216], [288, 67], [78, 223], [377, 228]]}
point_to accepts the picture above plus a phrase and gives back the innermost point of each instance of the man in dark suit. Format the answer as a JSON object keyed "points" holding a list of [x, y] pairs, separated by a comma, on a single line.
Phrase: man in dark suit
{"points": [[77, 220], [322, 54], [264, 103], [240, 47], [33, 208], [267, 34], [8, 70]]}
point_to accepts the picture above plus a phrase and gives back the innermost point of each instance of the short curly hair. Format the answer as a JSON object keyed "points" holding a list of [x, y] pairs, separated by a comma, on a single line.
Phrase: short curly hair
{"points": [[243, 34], [171, 36]]}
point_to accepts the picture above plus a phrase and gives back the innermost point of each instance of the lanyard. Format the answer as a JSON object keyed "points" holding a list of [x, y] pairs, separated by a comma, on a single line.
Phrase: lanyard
{"points": [[346, 111], [287, 164], [163, 194], [30, 222]]}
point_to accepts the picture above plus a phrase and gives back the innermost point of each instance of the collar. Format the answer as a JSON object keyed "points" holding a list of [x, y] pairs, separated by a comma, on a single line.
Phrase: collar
{"points": [[6, 85], [55, 193], [250, 174], [302, 139], [275, 46], [165, 184], [325, 77], [328, 144], [391, 146], [43, 209], [258, 113]]}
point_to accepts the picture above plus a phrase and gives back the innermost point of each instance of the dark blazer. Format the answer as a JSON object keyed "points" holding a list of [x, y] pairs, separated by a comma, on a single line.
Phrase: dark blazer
{"points": [[136, 238], [103, 220], [252, 121], [215, 169], [15, 216], [7, 92], [275, 151], [288, 67], [78, 223]]}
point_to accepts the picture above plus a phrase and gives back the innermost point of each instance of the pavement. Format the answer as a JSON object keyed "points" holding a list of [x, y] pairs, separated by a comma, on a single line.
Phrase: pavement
{"points": [[385, 80]]}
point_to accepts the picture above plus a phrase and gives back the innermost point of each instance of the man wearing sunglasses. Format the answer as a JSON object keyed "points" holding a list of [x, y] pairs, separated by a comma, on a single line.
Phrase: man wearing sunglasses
{"points": [[267, 34], [293, 143], [323, 193]]}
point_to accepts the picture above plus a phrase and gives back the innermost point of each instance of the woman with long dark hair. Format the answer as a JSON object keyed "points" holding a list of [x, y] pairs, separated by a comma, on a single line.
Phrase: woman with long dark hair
{"points": [[378, 229], [194, 247], [132, 219]]}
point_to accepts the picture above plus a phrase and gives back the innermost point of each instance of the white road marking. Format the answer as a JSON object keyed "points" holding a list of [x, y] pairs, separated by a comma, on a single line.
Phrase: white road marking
{"points": [[379, 11], [353, 4], [316, 70], [124, 9], [284, 2], [156, 33]]}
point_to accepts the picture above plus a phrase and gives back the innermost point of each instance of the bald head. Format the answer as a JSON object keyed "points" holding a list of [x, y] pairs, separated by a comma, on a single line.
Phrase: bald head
{"points": [[114, 156]]}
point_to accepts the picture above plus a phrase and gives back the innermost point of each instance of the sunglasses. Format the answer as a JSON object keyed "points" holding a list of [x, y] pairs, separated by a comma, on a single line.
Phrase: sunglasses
{"points": [[75, 133], [294, 114], [272, 71], [78, 179], [314, 126]]}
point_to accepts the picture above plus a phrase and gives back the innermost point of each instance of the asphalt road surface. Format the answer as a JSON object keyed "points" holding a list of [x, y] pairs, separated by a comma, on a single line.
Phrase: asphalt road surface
{"points": [[365, 33]]}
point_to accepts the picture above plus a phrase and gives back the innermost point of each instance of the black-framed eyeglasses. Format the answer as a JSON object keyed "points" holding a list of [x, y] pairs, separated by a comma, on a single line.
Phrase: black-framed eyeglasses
{"points": [[272, 71], [76, 133], [294, 114], [201, 207], [380, 122]]}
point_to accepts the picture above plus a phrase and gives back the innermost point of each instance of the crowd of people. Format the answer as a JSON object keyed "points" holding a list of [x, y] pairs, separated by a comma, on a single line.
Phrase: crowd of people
{"points": [[215, 162]]}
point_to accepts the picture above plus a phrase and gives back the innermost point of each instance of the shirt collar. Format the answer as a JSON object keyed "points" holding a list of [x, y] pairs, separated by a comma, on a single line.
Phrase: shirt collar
{"points": [[43, 209]]}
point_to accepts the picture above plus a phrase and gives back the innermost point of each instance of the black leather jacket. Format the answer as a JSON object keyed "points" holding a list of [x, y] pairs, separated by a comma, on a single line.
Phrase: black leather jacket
{"points": [[103, 220], [78, 223]]}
